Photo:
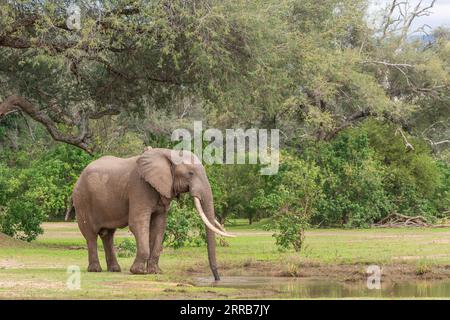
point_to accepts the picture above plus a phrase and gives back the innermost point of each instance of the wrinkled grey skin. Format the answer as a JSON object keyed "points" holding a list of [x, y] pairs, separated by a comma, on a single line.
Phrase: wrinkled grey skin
{"points": [[113, 192]]}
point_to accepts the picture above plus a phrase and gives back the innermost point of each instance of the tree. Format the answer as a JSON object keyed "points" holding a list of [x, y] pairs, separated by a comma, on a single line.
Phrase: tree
{"points": [[125, 55], [309, 68], [234, 187], [293, 201]]}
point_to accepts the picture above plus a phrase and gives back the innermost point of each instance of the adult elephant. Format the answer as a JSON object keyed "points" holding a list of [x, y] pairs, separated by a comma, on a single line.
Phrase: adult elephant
{"points": [[114, 192]]}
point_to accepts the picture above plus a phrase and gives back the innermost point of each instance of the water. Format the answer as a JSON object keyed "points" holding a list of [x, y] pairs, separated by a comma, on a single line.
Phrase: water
{"points": [[301, 288]]}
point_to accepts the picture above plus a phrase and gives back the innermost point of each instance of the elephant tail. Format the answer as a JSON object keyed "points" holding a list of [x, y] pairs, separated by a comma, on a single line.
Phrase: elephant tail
{"points": [[70, 213]]}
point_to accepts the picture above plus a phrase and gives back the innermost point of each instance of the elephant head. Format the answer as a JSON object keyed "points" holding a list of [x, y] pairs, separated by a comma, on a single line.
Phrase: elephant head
{"points": [[173, 172]]}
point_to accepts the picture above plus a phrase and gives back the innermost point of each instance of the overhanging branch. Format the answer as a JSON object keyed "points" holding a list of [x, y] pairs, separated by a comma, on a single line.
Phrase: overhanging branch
{"points": [[16, 102], [358, 115]]}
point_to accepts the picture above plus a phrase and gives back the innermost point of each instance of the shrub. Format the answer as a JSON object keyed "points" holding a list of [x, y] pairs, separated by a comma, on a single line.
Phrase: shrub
{"points": [[414, 181], [232, 192], [353, 183], [126, 248], [293, 201], [38, 191], [184, 226]]}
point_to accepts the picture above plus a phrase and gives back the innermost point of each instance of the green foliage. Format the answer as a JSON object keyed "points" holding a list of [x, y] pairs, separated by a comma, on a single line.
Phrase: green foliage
{"points": [[353, 183], [38, 191], [442, 195], [126, 248], [234, 186], [368, 173], [128, 56], [414, 180], [292, 201], [184, 226]]}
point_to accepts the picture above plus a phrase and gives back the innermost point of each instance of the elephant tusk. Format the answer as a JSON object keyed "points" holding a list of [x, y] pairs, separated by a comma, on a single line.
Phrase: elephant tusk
{"points": [[218, 225], [199, 208]]}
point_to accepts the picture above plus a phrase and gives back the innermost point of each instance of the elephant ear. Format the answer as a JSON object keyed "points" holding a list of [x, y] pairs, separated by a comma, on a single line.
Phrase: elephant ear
{"points": [[155, 168]]}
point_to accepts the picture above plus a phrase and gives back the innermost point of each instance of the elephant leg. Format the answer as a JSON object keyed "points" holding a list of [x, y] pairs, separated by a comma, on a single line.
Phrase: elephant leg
{"points": [[157, 229], [94, 263], [90, 234], [141, 233], [107, 236]]}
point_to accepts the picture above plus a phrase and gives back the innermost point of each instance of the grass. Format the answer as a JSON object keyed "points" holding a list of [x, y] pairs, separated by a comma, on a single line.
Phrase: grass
{"points": [[39, 270]]}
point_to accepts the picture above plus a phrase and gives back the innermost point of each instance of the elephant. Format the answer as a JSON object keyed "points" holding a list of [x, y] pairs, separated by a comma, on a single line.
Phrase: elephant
{"points": [[114, 192]]}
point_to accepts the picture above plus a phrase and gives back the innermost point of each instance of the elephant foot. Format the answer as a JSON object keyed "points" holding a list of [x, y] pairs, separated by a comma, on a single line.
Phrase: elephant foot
{"points": [[114, 268], [139, 268], [94, 267], [154, 269]]}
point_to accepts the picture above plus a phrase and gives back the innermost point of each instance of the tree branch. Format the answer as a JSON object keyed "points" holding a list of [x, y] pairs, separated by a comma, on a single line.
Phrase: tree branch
{"points": [[389, 64], [440, 142], [398, 66], [358, 115], [417, 12], [16, 102], [28, 20], [408, 145], [389, 21], [106, 112]]}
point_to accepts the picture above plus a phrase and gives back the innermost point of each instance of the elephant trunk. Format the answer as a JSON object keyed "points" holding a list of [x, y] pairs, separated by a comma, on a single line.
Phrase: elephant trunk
{"points": [[208, 208], [205, 206]]}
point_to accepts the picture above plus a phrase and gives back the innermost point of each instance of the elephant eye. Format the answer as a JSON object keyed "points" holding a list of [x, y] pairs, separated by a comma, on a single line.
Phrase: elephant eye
{"points": [[191, 173]]}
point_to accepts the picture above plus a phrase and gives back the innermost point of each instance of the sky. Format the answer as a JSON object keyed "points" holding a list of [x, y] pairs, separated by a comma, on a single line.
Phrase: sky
{"points": [[439, 16]]}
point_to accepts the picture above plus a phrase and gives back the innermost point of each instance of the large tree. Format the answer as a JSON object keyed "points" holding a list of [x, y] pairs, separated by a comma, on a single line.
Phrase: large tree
{"points": [[306, 67], [122, 55]]}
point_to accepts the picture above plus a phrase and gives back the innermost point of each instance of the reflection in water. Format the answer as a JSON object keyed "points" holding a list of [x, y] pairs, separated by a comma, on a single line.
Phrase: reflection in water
{"points": [[316, 288]]}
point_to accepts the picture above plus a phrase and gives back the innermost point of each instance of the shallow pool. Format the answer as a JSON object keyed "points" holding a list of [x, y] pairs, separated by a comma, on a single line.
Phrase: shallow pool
{"points": [[302, 288]]}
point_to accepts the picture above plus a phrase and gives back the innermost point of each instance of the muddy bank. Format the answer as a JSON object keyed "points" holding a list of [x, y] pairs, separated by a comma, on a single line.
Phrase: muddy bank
{"points": [[334, 272]]}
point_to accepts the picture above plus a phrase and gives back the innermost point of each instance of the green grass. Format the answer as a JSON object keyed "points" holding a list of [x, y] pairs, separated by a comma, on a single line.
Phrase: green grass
{"points": [[39, 270]]}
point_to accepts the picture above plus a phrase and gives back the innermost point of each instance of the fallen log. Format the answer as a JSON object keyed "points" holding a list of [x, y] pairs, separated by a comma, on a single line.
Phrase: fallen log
{"points": [[400, 220]]}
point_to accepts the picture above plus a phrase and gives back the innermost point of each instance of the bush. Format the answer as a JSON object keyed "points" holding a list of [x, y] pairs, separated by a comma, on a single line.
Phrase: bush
{"points": [[367, 174], [353, 183], [292, 201], [184, 226], [127, 248], [234, 186], [415, 182], [38, 191], [442, 195]]}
